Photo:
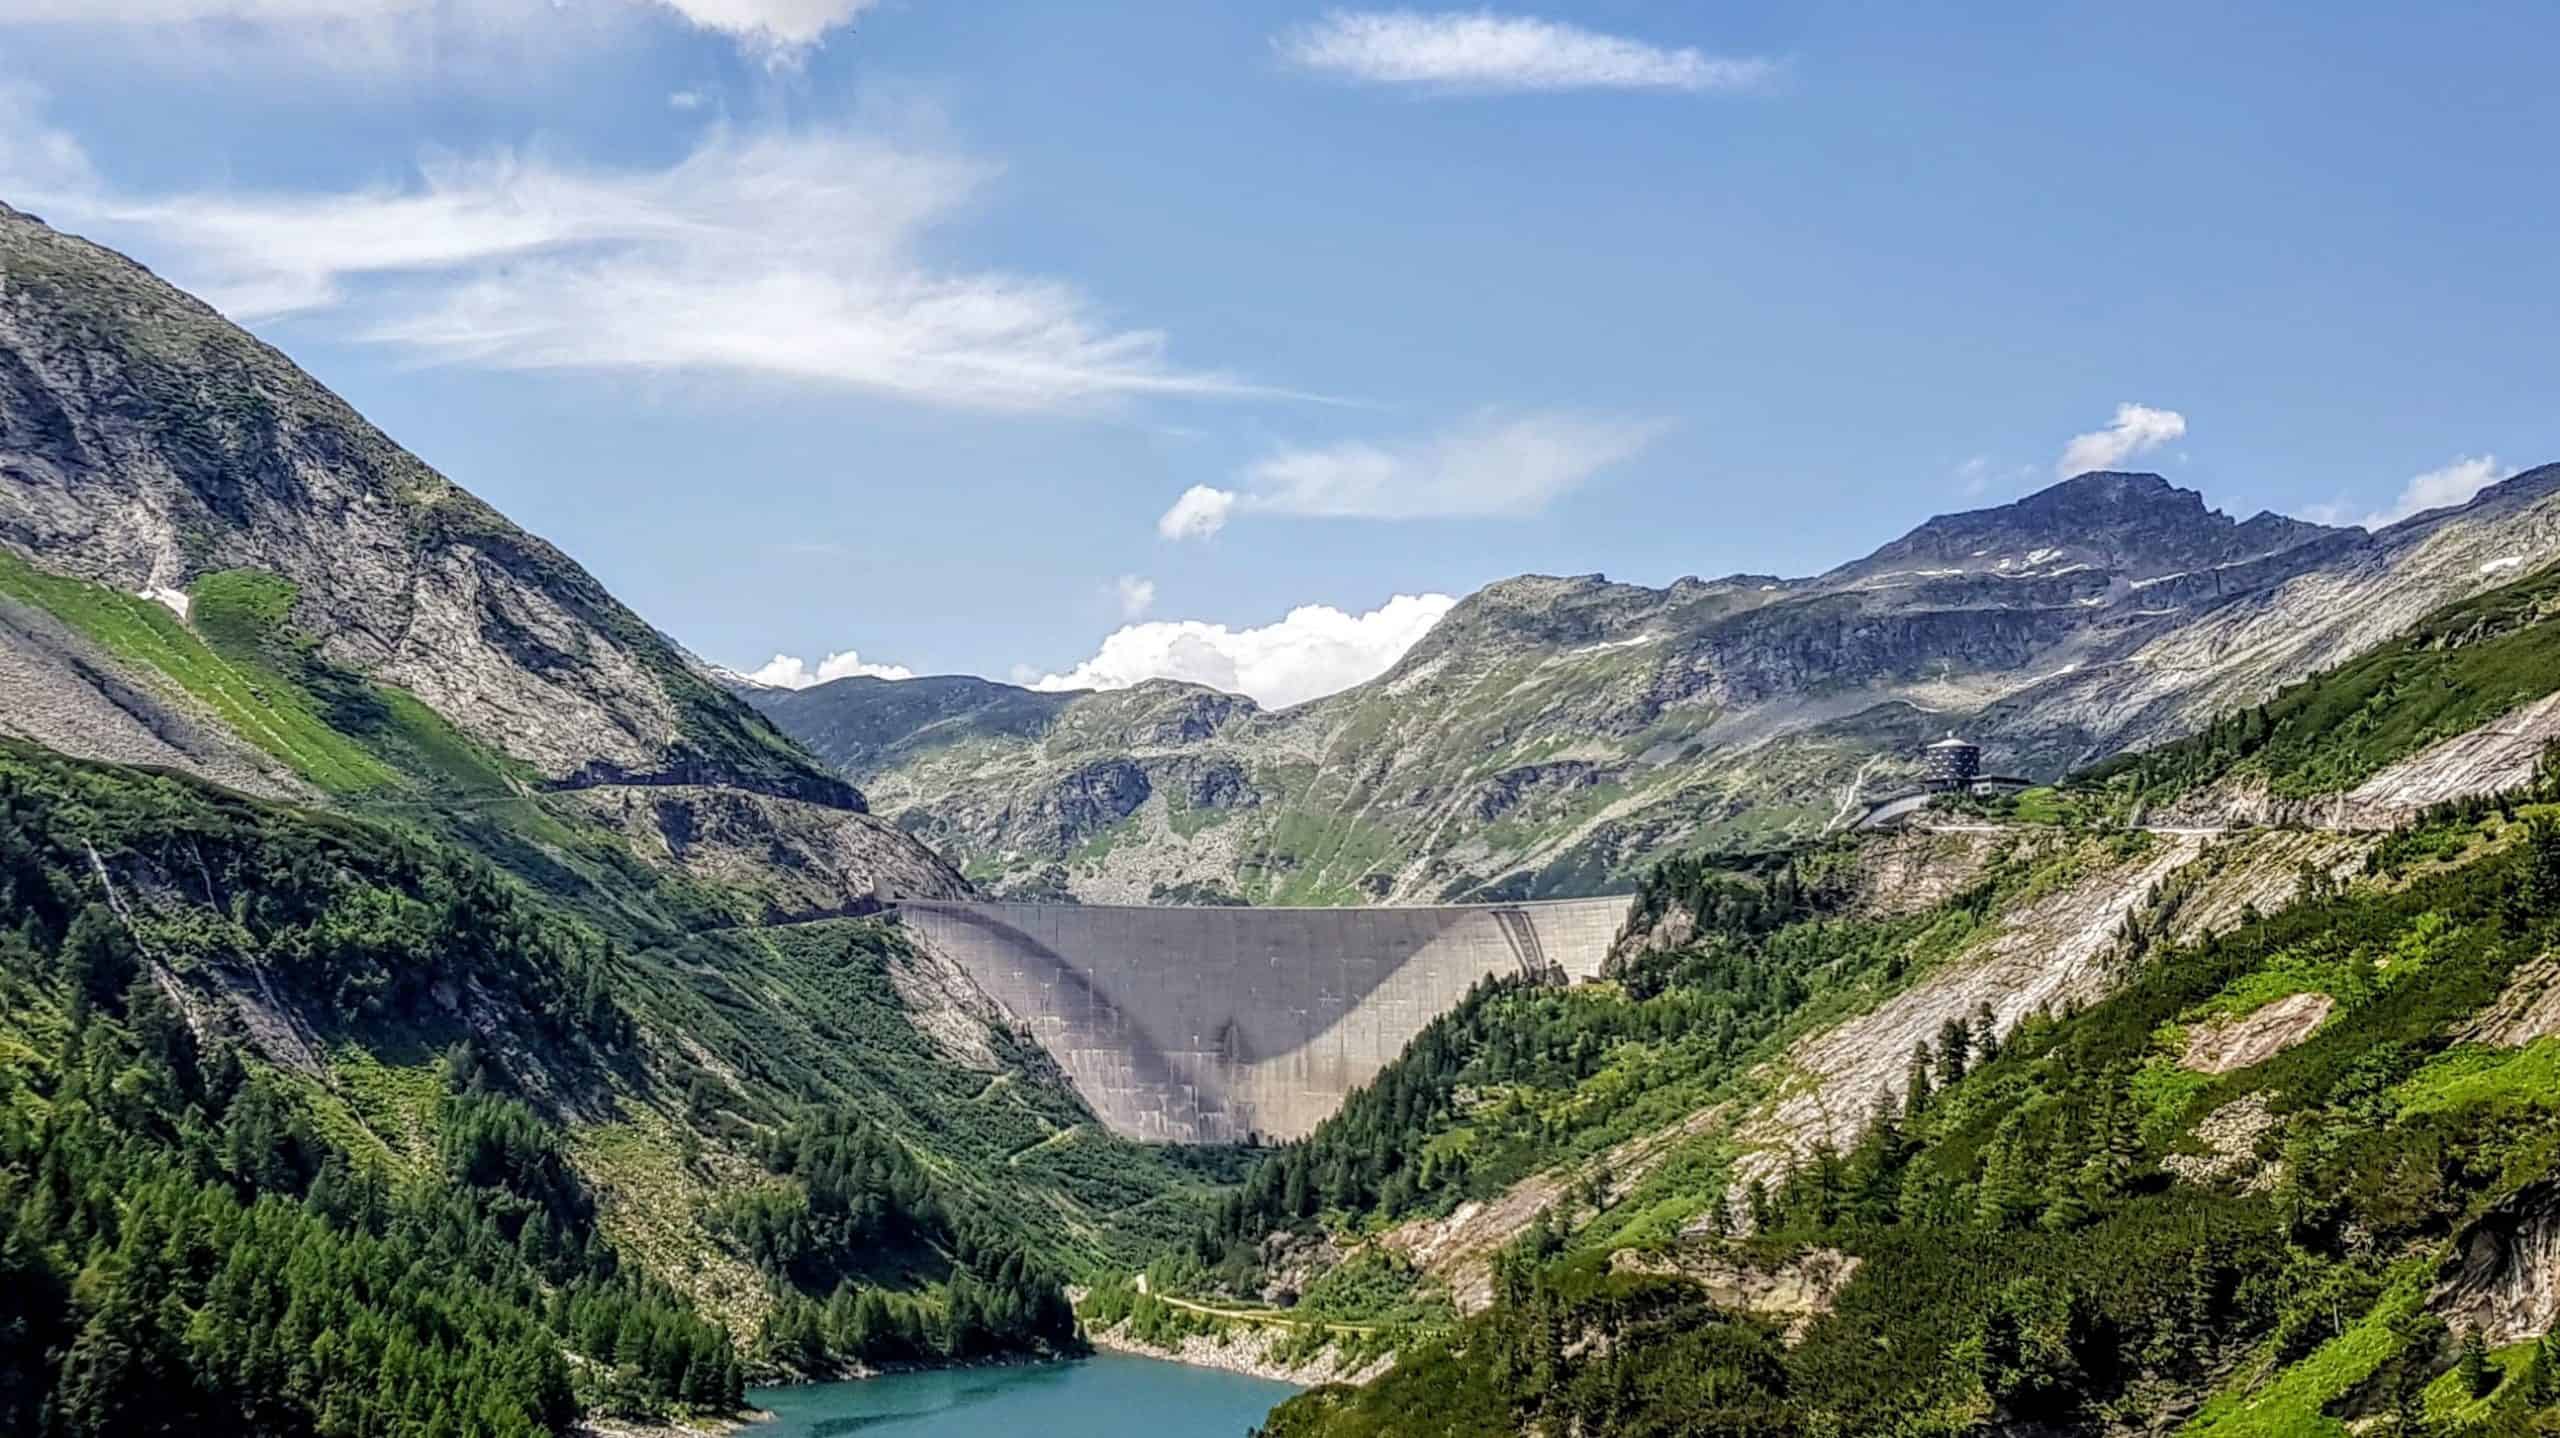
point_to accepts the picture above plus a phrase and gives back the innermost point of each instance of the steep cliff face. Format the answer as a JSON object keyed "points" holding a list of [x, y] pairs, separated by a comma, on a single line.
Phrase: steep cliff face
{"points": [[1553, 735], [209, 561]]}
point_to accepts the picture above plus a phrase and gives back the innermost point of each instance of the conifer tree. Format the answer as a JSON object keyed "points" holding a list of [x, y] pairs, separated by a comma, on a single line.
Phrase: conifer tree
{"points": [[2477, 1374], [1916, 1092]]}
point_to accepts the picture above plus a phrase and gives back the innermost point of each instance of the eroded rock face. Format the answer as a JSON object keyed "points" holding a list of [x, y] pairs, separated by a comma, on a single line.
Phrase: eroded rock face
{"points": [[2497, 756], [2508, 1287], [2053, 951], [807, 860], [2227, 1044], [1912, 870], [1799, 1290], [2058, 946], [2528, 1009]]}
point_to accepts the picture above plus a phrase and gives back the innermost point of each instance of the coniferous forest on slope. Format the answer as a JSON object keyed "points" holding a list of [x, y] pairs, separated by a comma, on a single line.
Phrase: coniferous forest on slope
{"points": [[2039, 1243], [199, 1238]]}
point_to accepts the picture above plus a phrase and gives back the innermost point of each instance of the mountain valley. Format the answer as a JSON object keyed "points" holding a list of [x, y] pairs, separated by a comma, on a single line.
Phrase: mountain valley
{"points": [[432, 1002]]}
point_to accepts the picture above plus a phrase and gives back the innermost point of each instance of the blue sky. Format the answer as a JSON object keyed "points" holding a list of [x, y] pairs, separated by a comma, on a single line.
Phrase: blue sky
{"points": [[1100, 340]]}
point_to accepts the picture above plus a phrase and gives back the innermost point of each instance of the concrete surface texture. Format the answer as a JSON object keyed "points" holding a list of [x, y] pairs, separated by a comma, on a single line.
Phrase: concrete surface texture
{"points": [[1219, 1025]]}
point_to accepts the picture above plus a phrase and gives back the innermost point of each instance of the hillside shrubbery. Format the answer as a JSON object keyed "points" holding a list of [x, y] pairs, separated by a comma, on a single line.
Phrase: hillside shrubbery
{"points": [[2031, 1253]]}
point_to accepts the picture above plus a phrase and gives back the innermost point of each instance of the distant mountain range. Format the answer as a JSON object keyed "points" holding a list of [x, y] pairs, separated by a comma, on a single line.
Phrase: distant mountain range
{"points": [[1552, 736]]}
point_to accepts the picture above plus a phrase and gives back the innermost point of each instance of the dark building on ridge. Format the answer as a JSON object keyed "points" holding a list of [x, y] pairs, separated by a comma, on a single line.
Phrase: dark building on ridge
{"points": [[1951, 764]]}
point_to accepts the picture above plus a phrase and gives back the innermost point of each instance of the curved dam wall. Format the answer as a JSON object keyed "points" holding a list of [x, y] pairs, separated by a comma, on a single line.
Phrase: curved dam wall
{"points": [[1219, 1025]]}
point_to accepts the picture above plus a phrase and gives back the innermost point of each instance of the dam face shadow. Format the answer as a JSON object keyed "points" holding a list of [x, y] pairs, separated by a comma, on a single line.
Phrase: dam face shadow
{"points": [[1217, 1025]]}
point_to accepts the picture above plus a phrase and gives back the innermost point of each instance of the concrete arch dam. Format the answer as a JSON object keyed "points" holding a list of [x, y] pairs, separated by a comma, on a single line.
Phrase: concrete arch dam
{"points": [[1217, 1025]]}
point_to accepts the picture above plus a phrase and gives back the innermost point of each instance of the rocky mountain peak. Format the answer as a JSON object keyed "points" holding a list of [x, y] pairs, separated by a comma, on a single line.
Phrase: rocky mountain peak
{"points": [[1539, 611], [1157, 713], [2136, 526]]}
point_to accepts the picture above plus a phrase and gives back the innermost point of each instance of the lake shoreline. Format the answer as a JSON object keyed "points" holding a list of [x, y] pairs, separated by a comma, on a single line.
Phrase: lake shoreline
{"points": [[1096, 1397], [1242, 1350], [867, 1373]]}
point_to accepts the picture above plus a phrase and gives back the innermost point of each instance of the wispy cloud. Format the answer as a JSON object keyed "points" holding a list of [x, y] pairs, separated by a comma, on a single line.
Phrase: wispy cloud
{"points": [[778, 31], [1315, 651], [1136, 595], [1200, 512], [2455, 483], [2137, 428], [785, 671], [781, 29], [1482, 52], [800, 256], [1492, 466]]}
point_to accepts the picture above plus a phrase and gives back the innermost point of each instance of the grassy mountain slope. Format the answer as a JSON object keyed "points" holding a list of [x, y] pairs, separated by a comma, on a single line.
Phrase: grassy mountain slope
{"points": [[151, 442], [209, 561], [504, 911], [1552, 736]]}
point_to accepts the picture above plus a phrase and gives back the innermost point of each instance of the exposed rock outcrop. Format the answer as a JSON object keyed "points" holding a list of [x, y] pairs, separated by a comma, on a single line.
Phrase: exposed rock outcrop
{"points": [[2526, 1010], [810, 861], [2227, 1044], [1256, 1352], [2229, 1137], [2054, 951], [2508, 1288], [1801, 1289]]}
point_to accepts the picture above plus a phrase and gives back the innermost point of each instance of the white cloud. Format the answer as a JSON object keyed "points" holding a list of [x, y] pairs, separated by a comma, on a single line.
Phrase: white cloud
{"points": [[1482, 52], [37, 161], [1199, 513], [181, 12], [2136, 428], [1137, 595], [785, 671], [780, 28], [797, 256], [1489, 467], [686, 100], [2456, 483], [777, 30], [1317, 650]]}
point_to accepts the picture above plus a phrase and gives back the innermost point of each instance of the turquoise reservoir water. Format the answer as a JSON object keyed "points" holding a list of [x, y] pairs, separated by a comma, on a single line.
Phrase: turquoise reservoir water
{"points": [[1108, 1396]]}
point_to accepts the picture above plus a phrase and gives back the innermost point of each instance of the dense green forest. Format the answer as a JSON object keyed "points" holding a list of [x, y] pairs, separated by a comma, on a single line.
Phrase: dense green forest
{"points": [[2048, 1237], [295, 1138]]}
